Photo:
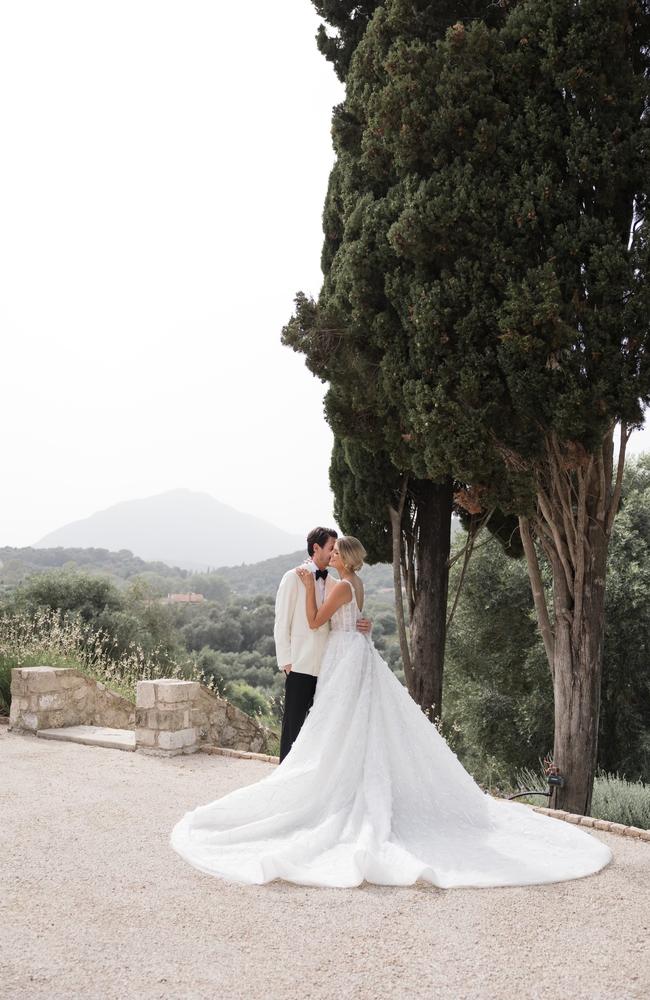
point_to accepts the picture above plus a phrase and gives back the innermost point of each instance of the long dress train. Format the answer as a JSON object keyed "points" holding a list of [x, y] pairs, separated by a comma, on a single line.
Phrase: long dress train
{"points": [[371, 791]]}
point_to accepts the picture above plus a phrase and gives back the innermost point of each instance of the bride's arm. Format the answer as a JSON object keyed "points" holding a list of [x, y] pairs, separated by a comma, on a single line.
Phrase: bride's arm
{"points": [[340, 594]]}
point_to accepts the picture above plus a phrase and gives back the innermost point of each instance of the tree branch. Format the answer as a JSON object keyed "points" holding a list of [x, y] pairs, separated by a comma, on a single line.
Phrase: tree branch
{"points": [[539, 597], [561, 549]]}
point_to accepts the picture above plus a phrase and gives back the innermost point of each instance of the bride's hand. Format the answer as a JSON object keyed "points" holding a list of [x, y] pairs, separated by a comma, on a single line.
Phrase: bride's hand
{"points": [[306, 576]]}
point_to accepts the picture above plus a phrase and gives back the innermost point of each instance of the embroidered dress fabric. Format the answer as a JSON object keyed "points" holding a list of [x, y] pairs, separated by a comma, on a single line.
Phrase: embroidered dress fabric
{"points": [[370, 791]]}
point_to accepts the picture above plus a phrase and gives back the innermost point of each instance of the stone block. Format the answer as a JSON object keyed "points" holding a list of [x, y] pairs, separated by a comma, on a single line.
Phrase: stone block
{"points": [[54, 719], [142, 717], [145, 737], [602, 824], [145, 694], [171, 718], [81, 692], [170, 691], [177, 740], [18, 683], [228, 736], [41, 678], [52, 701]]}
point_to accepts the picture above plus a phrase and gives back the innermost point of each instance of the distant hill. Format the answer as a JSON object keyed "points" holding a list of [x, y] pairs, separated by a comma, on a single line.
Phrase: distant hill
{"points": [[191, 530], [264, 577], [16, 564], [247, 579], [122, 567]]}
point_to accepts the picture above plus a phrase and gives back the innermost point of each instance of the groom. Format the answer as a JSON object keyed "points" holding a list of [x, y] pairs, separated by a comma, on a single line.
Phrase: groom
{"points": [[298, 648]]}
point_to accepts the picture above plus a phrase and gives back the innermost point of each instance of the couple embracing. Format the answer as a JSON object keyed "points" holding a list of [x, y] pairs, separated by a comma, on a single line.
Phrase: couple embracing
{"points": [[367, 789], [299, 644]]}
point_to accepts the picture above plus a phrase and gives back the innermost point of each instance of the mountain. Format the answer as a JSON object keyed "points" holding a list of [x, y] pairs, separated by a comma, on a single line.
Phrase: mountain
{"points": [[187, 529]]}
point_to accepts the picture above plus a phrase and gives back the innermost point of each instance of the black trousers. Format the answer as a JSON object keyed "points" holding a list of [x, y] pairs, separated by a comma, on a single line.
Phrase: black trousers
{"points": [[299, 692]]}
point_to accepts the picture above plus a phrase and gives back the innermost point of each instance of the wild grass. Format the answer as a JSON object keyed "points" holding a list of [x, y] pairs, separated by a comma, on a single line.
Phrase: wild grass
{"points": [[52, 639], [614, 798], [49, 638]]}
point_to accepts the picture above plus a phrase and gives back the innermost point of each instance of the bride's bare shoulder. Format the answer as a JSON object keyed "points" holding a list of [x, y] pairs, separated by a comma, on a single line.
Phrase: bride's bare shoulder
{"points": [[345, 589]]}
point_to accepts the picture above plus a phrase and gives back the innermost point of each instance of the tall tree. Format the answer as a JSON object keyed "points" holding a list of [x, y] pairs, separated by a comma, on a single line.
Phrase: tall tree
{"points": [[344, 337], [496, 198], [407, 522]]}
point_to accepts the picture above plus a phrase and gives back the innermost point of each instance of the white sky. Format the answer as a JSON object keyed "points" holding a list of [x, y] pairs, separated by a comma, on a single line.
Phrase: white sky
{"points": [[161, 187]]}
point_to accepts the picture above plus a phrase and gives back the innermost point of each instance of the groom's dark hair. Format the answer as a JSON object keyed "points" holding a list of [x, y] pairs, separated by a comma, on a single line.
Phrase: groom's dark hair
{"points": [[319, 536]]}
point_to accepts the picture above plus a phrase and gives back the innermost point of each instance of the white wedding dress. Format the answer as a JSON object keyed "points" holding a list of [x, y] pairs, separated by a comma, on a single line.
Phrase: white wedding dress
{"points": [[371, 791]]}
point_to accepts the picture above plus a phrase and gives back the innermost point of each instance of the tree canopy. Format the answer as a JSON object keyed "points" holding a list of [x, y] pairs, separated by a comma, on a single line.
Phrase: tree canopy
{"points": [[485, 306]]}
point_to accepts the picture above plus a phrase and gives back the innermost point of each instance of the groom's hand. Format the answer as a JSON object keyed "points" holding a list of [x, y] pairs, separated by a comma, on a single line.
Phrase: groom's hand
{"points": [[287, 669], [364, 625]]}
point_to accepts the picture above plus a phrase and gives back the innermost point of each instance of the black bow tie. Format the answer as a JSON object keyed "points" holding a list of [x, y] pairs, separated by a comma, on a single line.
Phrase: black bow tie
{"points": [[321, 574]]}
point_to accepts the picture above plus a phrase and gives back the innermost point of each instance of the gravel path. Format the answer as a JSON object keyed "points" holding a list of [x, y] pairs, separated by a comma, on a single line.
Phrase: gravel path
{"points": [[95, 904]]}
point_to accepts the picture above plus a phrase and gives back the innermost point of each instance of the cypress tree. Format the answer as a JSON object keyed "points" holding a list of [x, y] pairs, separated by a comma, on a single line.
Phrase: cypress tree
{"points": [[334, 336], [486, 259], [348, 19]]}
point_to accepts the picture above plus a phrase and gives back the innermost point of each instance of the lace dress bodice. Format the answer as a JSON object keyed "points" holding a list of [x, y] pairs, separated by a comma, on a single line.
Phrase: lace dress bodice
{"points": [[345, 618]]}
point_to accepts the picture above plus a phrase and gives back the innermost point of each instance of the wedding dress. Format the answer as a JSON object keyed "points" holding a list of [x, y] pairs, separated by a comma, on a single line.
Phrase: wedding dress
{"points": [[371, 791]]}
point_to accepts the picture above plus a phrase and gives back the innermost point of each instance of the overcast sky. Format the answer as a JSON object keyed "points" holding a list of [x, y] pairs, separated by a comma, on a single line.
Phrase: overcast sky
{"points": [[162, 180]]}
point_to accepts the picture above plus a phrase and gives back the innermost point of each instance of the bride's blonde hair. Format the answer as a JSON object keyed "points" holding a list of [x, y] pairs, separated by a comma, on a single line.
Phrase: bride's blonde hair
{"points": [[352, 552]]}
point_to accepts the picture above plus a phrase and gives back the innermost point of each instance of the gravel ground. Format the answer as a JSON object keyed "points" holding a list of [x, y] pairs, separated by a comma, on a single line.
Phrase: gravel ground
{"points": [[95, 904]]}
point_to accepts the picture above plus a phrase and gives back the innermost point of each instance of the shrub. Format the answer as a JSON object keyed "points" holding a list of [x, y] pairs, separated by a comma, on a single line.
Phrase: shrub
{"points": [[614, 798], [58, 640]]}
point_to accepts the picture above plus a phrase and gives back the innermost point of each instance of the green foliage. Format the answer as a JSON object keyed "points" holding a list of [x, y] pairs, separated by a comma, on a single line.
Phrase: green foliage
{"points": [[348, 19], [364, 483], [126, 618], [18, 563], [62, 640], [247, 698], [624, 742], [498, 687], [614, 799], [621, 801], [481, 287]]}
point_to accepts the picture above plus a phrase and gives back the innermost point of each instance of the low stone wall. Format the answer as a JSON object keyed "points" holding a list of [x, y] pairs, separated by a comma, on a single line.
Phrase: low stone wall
{"points": [[169, 717], [51, 697], [174, 717]]}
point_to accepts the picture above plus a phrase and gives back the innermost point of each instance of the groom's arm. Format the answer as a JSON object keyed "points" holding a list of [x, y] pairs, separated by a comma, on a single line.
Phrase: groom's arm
{"points": [[285, 604]]}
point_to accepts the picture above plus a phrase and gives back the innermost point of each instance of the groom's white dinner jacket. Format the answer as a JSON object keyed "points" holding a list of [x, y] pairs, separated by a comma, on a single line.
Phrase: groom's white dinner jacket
{"points": [[295, 642]]}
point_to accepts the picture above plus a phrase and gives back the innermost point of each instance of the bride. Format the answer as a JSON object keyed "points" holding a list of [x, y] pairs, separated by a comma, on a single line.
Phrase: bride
{"points": [[371, 791]]}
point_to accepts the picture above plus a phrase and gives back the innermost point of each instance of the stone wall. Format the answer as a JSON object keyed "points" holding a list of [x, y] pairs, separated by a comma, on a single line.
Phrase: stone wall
{"points": [[174, 716], [51, 697], [169, 717]]}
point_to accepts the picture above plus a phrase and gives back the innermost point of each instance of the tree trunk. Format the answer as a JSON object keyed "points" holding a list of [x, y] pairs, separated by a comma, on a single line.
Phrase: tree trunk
{"points": [[578, 672], [396, 515], [577, 501], [428, 621]]}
